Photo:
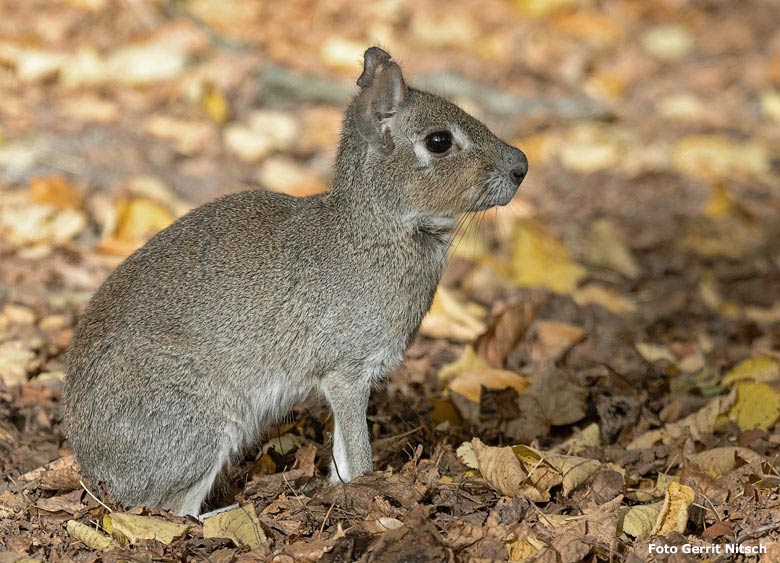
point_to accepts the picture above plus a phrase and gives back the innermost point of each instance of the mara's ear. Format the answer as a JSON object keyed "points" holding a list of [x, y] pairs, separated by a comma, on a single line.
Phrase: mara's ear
{"points": [[383, 92]]}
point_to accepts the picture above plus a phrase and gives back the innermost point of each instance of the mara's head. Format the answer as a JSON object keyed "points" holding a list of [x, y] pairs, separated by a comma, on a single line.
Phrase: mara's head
{"points": [[436, 157]]}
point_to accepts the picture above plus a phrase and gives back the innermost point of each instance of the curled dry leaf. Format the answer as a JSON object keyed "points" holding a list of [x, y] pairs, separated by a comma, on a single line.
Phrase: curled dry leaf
{"points": [[505, 329], [131, 528], [240, 525], [673, 516], [62, 474], [571, 471], [502, 470], [89, 536]]}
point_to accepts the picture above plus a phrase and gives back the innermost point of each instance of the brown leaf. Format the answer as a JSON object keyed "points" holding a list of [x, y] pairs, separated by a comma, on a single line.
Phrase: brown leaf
{"points": [[506, 328]]}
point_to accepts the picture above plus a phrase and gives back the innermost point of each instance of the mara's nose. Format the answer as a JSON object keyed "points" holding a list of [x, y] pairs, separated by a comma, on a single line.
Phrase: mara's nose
{"points": [[520, 168]]}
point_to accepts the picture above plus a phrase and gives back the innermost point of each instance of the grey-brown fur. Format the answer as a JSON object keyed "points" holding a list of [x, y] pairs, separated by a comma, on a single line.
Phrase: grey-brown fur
{"points": [[258, 301]]}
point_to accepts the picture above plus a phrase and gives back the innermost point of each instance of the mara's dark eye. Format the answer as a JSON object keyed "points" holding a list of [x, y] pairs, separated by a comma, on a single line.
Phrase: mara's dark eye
{"points": [[439, 142]]}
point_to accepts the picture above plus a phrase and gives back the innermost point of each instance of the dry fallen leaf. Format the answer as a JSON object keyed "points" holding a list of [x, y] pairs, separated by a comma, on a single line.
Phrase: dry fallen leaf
{"points": [[540, 260], [54, 191], [137, 220], [467, 361], [588, 437], [606, 248], [697, 425], [720, 461], [240, 525], [673, 516], [551, 339], [130, 528], [89, 536], [501, 468], [757, 405], [639, 520], [450, 319], [761, 368], [465, 390]]}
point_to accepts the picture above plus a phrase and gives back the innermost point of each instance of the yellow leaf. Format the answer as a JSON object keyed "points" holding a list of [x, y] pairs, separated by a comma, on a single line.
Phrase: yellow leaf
{"points": [[757, 405], [240, 525], [449, 318], [673, 516], [137, 220], [761, 368], [468, 361], [540, 260], [214, 103], [130, 528], [470, 383], [607, 249], [611, 300], [89, 536], [465, 390]]}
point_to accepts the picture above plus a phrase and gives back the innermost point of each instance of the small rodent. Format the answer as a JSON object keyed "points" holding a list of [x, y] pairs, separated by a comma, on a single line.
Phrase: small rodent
{"points": [[257, 301]]}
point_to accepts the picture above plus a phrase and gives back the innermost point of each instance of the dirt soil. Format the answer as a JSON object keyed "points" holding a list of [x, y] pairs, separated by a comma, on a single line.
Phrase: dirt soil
{"points": [[599, 376]]}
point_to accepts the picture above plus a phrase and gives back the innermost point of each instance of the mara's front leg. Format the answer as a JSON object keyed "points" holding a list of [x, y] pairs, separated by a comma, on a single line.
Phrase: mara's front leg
{"points": [[348, 399]]}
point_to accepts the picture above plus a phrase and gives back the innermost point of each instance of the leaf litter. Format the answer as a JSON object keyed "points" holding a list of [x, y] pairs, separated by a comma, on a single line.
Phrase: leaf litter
{"points": [[599, 369]]}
